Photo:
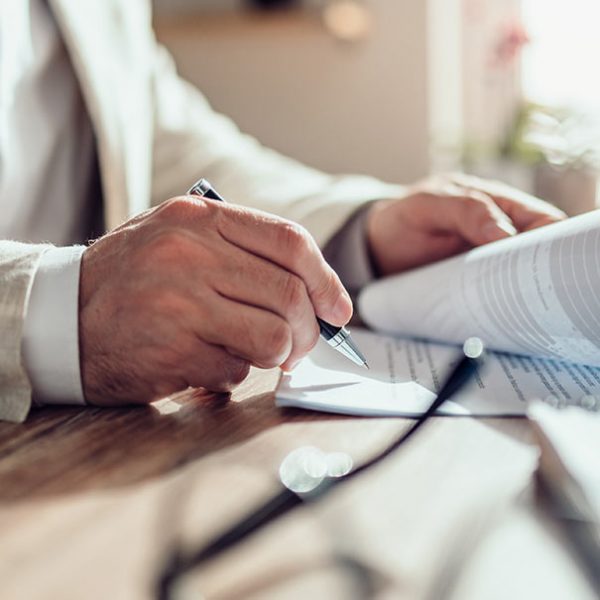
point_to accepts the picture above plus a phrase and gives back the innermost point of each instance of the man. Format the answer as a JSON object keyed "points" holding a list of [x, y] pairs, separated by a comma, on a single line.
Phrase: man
{"points": [[191, 292]]}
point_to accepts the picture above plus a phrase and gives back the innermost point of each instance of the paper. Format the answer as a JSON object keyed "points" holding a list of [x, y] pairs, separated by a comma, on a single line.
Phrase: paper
{"points": [[570, 455], [537, 293], [406, 374]]}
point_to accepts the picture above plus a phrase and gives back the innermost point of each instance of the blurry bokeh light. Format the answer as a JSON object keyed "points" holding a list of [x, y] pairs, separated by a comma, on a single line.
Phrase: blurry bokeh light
{"points": [[348, 20]]}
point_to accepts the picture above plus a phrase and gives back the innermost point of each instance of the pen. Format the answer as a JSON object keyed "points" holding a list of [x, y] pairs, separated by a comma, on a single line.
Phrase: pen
{"points": [[337, 337]]}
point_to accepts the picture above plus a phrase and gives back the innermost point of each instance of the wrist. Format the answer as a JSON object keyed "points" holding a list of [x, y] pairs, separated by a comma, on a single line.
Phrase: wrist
{"points": [[91, 356], [378, 240]]}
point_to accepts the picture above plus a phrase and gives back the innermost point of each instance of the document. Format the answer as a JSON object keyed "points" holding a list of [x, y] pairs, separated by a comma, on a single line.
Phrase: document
{"points": [[407, 373], [536, 294], [534, 299]]}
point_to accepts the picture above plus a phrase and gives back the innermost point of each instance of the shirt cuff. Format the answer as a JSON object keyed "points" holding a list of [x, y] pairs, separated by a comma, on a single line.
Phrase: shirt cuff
{"points": [[51, 329], [348, 252]]}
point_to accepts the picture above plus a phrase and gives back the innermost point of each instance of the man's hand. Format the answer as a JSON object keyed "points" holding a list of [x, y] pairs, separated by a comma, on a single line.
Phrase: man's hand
{"points": [[192, 293], [446, 215]]}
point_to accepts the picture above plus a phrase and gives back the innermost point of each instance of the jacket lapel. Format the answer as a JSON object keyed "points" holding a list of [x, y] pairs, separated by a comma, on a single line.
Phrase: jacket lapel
{"points": [[111, 48]]}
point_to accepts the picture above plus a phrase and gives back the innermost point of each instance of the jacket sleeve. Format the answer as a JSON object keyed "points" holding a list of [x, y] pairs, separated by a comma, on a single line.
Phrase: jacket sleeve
{"points": [[18, 264], [192, 141]]}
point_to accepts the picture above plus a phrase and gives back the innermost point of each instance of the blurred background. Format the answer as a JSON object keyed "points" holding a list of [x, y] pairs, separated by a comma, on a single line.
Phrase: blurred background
{"points": [[402, 88]]}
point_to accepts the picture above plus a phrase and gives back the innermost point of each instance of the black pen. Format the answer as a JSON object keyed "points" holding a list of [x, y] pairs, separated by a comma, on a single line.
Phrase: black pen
{"points": [[337, 337]]}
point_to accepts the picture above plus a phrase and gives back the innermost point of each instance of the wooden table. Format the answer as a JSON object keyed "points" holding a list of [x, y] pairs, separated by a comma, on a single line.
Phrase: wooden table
{"points": [[90, 499]]}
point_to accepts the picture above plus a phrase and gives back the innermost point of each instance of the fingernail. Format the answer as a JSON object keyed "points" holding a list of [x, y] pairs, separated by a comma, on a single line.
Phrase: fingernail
{"points": [[498, 230]]}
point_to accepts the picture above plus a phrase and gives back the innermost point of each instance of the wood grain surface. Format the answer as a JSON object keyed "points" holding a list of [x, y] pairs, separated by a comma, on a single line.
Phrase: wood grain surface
{"points": [[91, 500]]}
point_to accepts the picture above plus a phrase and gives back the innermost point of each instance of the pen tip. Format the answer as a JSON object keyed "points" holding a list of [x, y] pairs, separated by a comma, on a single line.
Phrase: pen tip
{"points": [[366, 365]]}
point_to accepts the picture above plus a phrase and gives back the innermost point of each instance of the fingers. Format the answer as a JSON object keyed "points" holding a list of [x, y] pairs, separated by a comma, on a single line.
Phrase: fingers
{"points": [[524, 210], [482, 220], [483, 211], [253, 284], [257, 282], [214, 368], [470, 213], [258, 336], [168, 300], [527, 216], [291, 247]]}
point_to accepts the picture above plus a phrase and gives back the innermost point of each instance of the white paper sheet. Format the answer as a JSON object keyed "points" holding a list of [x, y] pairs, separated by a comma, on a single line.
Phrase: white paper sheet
{"points": [[406, 373], [537, 293]]}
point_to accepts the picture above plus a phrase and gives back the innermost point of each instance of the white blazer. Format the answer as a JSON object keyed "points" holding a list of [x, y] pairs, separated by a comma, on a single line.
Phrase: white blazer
{"points": [[156, 134]]}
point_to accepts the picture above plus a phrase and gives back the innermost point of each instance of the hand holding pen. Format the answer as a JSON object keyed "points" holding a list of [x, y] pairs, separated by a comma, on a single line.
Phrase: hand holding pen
{"points": [[277, 281], [193, 292], [337, 337]]}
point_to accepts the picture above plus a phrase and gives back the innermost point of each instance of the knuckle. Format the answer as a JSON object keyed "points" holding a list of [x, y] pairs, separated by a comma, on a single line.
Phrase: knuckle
{"points": [[225, 373], [280, 337], [165, 301], [294, 238], [236, 370], [167, 244], [309, 339], [229, 379], [186, 212], [293, 293], [278, 344], [313, 337], [329, 288], [181, 208], [174, 208]]}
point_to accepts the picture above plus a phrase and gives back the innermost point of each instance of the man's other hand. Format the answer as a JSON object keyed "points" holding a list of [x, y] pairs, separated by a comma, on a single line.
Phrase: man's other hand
{"points": [[446, 215], [192, 293]]}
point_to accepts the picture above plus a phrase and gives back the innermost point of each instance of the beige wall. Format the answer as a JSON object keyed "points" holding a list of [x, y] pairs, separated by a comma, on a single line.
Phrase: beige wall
{"points": [[342, 107], [492, 89]]}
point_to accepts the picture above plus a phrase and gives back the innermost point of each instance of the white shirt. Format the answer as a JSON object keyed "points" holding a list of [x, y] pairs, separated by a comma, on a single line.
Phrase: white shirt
{"points": [[46, 166]]}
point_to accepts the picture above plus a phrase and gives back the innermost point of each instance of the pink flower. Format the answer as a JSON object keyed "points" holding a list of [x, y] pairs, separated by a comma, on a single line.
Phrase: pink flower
{"points": [[512, 39]]}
